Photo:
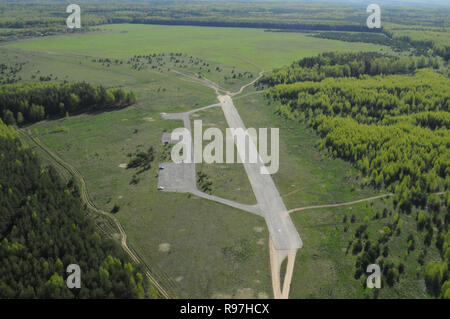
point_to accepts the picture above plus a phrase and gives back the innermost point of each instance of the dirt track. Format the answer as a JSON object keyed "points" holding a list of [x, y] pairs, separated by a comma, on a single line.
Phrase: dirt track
{"points": [[339, 204], [86, 199]]}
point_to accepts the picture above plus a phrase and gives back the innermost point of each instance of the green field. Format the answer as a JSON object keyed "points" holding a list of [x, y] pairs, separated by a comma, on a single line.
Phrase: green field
{"points": [[202, 248], [247, 48], [228, 180]]}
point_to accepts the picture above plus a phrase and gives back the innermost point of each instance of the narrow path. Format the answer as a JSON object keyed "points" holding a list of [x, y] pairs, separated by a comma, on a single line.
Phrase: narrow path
{"points": [[347, 203], [87, 200], [208, 83], [339, 204], [260, 74], [202, 81], [248, 61], [249, 94]]}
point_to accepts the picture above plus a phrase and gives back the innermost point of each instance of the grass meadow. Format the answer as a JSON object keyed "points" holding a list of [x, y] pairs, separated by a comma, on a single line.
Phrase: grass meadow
{"points": [[244, 47], [229, 181]]}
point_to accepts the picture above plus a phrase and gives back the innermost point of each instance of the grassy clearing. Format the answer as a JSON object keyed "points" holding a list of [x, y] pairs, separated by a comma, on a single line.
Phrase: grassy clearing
{"points": [[229, 181], [251, 49]]}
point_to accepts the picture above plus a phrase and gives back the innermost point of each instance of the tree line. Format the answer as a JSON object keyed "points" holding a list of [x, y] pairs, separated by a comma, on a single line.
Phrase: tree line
{"points": [[31, 102], [375, 38], [336, 64]]}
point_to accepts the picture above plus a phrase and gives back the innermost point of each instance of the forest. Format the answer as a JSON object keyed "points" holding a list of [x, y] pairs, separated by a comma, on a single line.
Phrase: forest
{"points": [[376, 38], [337, 65], [31, 102], [393, 128], [420, 41], [44, 228], [373, 123], [252, 12], [423, 39]]}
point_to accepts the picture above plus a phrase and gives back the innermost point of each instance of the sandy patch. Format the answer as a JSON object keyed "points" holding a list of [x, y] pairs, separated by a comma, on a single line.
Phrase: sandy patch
{"points": [[149, 119], [258, 229], [164, 247], [219, 295], [178, 279], [263, 295], [244, 293], [260, 241], [123, 165], [116, 236], [120, 197]]}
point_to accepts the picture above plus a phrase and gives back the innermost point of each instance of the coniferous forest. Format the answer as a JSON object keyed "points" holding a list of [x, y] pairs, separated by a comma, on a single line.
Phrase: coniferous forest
{"points": [[44, 228]]}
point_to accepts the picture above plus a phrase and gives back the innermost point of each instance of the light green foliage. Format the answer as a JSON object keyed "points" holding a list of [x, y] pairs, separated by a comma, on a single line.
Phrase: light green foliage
{"points": [[357, 120]]}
